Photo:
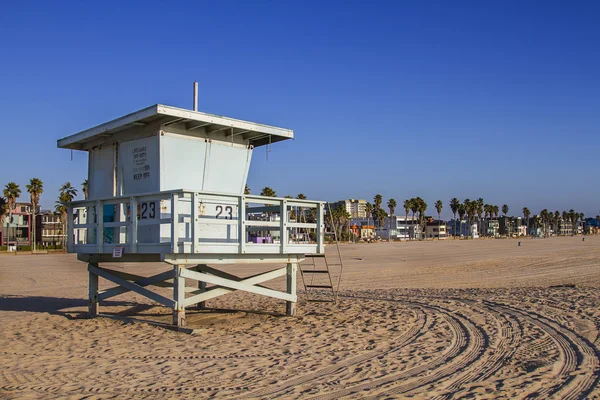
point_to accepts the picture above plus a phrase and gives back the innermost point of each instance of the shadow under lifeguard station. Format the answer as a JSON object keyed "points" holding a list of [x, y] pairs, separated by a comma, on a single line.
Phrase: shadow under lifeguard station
{"points": [[167, 184], [50, 305]]}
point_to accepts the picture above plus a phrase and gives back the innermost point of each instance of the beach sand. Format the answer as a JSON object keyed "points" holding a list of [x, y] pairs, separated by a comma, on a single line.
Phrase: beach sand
{"points": [[481, 319]]}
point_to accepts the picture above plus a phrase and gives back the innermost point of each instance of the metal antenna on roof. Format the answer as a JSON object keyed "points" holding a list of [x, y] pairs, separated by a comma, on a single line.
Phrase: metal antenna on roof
{"points": [[195, 96]]}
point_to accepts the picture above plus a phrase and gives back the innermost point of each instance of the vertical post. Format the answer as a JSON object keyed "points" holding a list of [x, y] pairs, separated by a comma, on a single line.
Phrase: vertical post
{"points": [[175, 222], [133, 225], [290, 306], [195, 228], [93, 292], [320, 231], [70, 228], [99, 226], [179, 297], [202, 287], [283, 233], [242, 223]]}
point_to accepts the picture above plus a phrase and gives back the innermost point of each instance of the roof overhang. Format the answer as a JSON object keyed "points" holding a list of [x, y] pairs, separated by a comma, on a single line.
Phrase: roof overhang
{"points": [[161, 115]]}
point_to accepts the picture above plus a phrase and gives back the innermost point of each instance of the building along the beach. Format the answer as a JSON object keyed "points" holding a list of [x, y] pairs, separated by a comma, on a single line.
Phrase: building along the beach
{"points": [[435, 230], [491, 228], [463, 229], [399, 227], [17, 228], [356, 208]]}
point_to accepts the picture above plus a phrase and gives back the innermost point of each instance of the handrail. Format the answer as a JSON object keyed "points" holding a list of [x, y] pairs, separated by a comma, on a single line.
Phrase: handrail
{"points": [[193, 220]]}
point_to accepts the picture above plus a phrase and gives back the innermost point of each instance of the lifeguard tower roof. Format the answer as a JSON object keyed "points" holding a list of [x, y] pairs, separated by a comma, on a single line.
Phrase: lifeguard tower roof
{"points": [[195, 123]]}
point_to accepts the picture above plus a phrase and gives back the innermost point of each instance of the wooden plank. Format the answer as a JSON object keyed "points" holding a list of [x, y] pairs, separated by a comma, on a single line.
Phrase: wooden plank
{"points": [[155, 280], [132, 286], [215, 280]]}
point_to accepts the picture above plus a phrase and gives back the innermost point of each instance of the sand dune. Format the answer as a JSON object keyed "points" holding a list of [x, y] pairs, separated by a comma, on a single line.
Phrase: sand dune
{"points": [[479, 319]]}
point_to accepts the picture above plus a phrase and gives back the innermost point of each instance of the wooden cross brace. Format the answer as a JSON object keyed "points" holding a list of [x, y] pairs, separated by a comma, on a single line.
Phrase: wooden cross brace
{"points": [[125, 285], [227, 283]]}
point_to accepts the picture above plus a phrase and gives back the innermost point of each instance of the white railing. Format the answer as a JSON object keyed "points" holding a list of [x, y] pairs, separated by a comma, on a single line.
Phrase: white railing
{"points": [[192, 222]]}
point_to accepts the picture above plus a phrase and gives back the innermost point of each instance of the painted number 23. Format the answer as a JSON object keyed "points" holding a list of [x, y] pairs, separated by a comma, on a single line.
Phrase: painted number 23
{"points": [[148, 210], [228, 211]]}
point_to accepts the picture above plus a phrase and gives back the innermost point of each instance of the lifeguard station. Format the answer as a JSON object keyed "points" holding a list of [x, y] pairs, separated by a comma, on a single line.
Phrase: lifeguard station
{"points": [[167, 184]]}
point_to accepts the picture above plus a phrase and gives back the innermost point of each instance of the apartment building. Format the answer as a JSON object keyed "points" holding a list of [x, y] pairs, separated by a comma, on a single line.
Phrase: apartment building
{"points": [[49, 228], [356, 208], [17, 228]]}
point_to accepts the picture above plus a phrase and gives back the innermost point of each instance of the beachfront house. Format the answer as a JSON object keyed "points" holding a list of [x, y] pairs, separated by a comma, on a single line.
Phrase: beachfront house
{"points": [[435, 230], [463, 229]]}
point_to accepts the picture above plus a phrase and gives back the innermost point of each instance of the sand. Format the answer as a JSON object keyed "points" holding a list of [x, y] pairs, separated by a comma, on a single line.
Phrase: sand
{"points": [[479, 319]]}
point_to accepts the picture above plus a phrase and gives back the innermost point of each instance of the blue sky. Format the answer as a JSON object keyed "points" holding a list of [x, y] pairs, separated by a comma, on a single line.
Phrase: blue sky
{"points": [[493, 99]]}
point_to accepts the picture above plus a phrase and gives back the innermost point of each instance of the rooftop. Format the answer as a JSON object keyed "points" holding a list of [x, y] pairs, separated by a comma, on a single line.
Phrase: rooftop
{"points": [[195, 122]]}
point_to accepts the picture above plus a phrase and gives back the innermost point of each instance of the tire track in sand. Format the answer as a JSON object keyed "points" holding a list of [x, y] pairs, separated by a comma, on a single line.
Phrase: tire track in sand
{"points": [[578, 371], [408, 337], [510, 332], [467, 345]]}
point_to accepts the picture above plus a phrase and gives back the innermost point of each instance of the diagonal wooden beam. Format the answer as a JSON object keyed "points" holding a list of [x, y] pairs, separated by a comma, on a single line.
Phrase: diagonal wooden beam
{"points": [[156, 280], [230, 285], [226, 275], [132, 286]]}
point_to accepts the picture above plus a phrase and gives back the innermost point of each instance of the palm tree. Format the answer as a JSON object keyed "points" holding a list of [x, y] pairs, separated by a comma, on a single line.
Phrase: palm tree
{"points": [[35, 189], [268, 192], [407, 206], [377, 200], [480, 213], [392, 206], [369, 212], [544, 217], [11, 192], [414, 207], [470, 208], [422, 207], [461, 214], [526, 214], [67, 194], [496, 210], [84, 188], [246, 189], [505, 210], [3, 211], [438, 207], [454, 205]]}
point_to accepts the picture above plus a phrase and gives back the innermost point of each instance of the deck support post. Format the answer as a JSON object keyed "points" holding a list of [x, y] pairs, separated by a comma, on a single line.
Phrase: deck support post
{"points": [[201, 289], [290, 306], [93, 306], [178, 297]]}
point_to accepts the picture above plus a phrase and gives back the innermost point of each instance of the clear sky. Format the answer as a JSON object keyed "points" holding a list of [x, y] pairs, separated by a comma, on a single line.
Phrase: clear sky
{"points": [[492, 99]]}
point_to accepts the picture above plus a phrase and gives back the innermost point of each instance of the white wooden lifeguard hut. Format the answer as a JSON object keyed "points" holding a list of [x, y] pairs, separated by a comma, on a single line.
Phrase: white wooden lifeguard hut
{"points": [[167, 184]]}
